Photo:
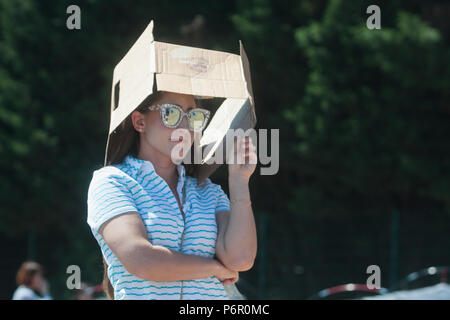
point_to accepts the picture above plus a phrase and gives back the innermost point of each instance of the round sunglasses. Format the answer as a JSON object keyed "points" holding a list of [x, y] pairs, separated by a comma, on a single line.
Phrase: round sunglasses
{"points": [[172, 114]]}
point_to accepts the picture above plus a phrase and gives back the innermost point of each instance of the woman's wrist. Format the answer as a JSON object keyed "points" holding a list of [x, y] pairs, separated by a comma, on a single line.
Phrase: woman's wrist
{"points": [[238, 180], [215, 267], [239, 189]]}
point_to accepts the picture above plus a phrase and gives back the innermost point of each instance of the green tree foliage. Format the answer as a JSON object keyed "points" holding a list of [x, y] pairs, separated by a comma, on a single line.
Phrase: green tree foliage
{"points": [[373, 122], [372, 137]]}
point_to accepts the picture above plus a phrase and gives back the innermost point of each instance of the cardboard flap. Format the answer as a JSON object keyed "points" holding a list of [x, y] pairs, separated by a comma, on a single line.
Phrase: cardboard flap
{"points": [[232, 114], [133, 78], [246, 70], [200, 86], [221, 121], [197, 62], [197, 71]]}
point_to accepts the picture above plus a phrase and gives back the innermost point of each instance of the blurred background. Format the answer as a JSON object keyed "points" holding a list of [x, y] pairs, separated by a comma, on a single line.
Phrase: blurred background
{"points": [[364, 119]]}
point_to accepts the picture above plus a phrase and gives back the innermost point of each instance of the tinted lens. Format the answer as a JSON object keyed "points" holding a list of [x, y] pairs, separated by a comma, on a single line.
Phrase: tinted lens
{"points": [[196, 119], [171, 115]]}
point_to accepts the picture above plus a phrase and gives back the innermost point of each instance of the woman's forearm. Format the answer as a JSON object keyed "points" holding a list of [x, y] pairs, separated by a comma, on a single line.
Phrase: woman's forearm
{"points": [[240, 241], [158, 263]]}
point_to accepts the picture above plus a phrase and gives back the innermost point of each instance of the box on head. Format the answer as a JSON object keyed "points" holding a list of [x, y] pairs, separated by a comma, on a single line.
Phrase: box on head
{"points": [[150, 66]]}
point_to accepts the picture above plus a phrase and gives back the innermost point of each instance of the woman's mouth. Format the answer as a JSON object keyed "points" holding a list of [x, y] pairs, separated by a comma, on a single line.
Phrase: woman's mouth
{"points": [[177, 140]]}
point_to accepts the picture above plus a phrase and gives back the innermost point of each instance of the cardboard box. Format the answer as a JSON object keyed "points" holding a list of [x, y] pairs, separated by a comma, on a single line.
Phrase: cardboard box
{"points": [[151, 66]]}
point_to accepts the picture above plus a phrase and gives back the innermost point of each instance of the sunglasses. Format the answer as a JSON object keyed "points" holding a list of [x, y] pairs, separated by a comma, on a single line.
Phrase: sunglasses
{"points": [[172, 114]]}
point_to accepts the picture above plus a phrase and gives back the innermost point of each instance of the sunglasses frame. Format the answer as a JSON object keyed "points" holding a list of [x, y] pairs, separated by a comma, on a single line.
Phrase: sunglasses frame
{"points": [[161, 107]]}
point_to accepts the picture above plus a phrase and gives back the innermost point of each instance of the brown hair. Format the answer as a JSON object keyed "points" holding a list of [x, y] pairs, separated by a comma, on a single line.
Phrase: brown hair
{"points": [[125, 141], [27, 271]]}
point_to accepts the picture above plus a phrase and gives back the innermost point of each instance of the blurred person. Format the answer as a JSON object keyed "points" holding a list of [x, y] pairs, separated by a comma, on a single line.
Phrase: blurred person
{"points": [[31, 283], [163, 235], [86, 292]]}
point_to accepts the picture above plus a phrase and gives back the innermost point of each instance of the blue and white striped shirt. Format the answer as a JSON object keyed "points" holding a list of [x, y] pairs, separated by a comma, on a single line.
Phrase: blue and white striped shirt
{"points": [[134, 185]]}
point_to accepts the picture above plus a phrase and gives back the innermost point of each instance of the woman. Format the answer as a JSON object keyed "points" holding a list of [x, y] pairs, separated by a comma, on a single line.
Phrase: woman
{"points": [[162, 235], [31, 283]]}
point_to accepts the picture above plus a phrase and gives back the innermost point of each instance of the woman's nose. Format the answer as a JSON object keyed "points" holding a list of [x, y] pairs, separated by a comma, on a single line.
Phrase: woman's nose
{"points": [[184, 123]]}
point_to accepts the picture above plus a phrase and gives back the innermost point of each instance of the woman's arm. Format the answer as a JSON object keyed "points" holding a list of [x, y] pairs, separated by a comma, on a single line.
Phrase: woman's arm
{"points": [[236, 240], [126, 236]]}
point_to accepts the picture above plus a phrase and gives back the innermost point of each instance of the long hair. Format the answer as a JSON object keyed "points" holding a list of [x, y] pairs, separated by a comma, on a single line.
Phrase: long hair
{"points": [[126, 141]]}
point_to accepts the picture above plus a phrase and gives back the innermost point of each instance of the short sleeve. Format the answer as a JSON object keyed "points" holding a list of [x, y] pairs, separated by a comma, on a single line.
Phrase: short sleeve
{"points": [[108, 196], [223, 203]]}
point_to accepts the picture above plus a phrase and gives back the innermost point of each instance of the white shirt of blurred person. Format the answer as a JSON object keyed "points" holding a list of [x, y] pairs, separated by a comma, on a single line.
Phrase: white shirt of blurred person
{"points": [[86, 292], [31, 283]]}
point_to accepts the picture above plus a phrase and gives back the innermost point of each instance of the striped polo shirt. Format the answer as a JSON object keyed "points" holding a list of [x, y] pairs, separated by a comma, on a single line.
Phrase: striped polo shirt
{"points": [[134, 185]]}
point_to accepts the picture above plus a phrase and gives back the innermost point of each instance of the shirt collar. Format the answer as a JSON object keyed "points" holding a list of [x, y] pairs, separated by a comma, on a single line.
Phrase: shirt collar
{"points": [[136, 165]]}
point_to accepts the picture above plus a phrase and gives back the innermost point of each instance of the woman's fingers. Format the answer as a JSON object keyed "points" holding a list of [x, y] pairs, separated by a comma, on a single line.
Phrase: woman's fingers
{"points": [[247, 143], [230, 280], [249, 151], [245, 152], [233, 279], [252, 158]]}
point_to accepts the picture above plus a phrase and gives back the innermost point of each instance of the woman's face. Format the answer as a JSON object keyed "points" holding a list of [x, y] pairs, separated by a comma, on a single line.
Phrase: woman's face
{"points": [[154, 135], [36, 281]]}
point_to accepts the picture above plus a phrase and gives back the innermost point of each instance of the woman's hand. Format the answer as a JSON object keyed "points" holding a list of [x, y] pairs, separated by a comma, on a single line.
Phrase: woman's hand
{"points": [[231, 280], [245, 165], [225, 275]]}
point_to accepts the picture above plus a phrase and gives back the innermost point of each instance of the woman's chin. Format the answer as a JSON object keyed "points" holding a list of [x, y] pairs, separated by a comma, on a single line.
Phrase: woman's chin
{"points": [[172, 153]]}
